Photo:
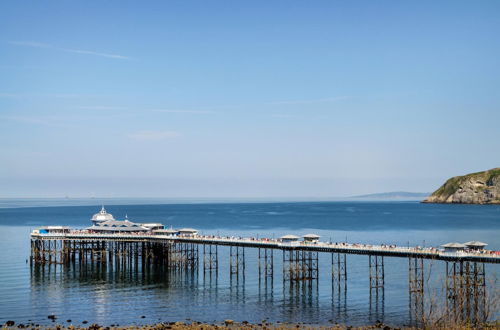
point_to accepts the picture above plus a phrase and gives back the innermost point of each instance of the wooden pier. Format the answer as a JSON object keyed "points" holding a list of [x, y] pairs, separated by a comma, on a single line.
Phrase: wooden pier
{"points": [[465, 270]]}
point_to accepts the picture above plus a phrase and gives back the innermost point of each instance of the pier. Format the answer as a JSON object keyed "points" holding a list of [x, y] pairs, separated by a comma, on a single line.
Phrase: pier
{"points": [[98, 242], [465, 269]]}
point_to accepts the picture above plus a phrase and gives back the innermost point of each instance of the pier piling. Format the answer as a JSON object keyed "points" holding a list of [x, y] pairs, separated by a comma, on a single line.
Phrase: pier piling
{"points": [[466, 291], [339, 271], [377, 275], [416, 290], [300, 265], [236, 260], [210, 258], [266, 263], [377, 281]]}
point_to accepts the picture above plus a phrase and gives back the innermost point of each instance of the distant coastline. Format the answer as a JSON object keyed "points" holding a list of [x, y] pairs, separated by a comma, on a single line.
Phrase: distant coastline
{"points": [[394, 195], [81, 201]]}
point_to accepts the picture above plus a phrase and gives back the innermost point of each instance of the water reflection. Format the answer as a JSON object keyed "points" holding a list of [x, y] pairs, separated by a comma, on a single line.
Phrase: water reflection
{"points": [[301, 295], [138, 275], [339, 301], [106, 286], [266, 289], [237, 288], [377, 305]]}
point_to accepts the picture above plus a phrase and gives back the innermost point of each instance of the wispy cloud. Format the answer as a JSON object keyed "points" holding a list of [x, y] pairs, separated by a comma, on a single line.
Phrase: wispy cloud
{"points": [[35, 44], [183, 111], [323, 100], [153, 135], [279, 115], [50, 95], [37, 120], [101, 107], [30, 44], [63, 120], [88, 52]]}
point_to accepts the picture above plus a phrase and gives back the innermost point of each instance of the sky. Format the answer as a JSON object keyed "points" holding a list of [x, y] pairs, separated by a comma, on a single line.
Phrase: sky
{"points": [[245, 99]]}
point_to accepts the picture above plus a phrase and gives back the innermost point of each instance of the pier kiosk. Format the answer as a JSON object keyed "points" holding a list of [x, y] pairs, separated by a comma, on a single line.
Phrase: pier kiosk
{"points": [[453, 247], [289, 239], [475, 245], [311, 238], [188, 232]]}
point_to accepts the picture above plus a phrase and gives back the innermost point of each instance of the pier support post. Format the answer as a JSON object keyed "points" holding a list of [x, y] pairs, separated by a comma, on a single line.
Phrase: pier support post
{"points": [[191, 256], [377, 276], [416, 290], [183, 256], [175, 255], [311, 263], [377, 279], [339, 271], [289, 264], [35, 251], [479, 293], [300, 265], [210, 257], [453, 289], [466, 291], [51, 251], [236, 260], [266, 263]]}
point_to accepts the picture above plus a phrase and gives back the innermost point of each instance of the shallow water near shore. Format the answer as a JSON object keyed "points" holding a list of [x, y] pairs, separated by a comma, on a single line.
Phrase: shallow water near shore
{"points": [[122, 296]]}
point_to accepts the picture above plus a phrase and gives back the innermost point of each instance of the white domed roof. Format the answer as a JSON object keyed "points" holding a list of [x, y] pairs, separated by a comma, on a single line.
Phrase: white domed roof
{"points": [[102, 216]]}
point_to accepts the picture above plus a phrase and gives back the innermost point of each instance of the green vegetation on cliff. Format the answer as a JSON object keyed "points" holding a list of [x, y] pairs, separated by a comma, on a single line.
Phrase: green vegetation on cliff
{"points": [[475, 188]]}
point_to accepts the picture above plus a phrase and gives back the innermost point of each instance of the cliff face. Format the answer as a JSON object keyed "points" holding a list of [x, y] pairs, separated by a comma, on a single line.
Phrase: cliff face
{"points": [[475, 188]]}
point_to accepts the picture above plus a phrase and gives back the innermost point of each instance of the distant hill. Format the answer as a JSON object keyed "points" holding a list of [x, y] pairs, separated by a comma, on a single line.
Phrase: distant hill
{"points": [[394, 195], [475, 188]]}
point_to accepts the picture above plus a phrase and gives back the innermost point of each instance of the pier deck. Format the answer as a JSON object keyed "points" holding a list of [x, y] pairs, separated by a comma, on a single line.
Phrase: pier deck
{"points": [[347, 248]]}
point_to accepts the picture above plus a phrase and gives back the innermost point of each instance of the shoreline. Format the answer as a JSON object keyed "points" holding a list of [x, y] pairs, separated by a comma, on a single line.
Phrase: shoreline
{"points": [[230, 324], [227, 324]]}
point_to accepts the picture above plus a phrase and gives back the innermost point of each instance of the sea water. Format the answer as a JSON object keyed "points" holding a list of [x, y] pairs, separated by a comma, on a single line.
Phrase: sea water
{"points": [[126, 297]]}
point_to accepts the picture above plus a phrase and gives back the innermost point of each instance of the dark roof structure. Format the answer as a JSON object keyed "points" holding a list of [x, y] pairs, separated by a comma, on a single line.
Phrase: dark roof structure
{"points": [[290, 237], [454, 245], [475, 244], [117, 225], [311, 236]]}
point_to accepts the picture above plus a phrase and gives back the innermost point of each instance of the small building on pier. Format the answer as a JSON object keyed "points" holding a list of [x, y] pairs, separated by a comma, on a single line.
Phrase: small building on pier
{"points": [[475, 245], [289, 238], [166, 232], [188, 232], [153, 226], [453, 247], [311, 238], [52, 230]]}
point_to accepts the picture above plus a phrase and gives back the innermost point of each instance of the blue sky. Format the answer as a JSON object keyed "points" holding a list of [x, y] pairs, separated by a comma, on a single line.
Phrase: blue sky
{"points": [[245, 99]]}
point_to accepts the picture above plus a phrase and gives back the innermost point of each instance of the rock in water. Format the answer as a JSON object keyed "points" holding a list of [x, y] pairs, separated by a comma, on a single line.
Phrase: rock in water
{"points": [[475, 188]]}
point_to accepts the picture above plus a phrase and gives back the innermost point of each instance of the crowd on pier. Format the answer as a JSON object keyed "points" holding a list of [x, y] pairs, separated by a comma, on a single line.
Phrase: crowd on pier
{"points": [[293, 241]]}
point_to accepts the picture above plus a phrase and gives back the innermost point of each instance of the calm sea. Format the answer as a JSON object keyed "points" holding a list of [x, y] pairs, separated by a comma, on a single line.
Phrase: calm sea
{"points": [[123, 297]]}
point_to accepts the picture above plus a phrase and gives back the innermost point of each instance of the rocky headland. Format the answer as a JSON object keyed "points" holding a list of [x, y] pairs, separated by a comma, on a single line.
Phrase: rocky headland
{"points": [[475, 188]]}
